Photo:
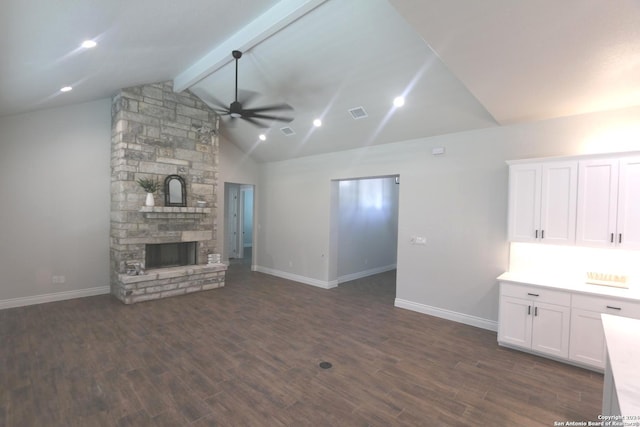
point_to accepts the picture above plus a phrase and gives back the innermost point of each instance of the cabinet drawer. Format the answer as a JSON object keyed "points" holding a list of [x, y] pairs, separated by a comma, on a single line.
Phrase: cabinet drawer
{"points": [[606, 305], [535, 293]]}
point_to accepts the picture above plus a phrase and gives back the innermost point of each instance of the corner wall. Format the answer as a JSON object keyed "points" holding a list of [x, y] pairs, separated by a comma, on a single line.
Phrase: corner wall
{"points": [[54, 187]]}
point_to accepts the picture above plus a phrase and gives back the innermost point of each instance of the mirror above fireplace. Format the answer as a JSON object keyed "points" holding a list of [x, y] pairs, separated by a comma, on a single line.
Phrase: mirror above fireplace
{"points": [[175, 191]]}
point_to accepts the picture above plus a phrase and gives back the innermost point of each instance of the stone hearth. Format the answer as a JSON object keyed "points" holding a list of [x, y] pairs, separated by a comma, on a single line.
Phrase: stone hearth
{"points": [[155, 133]]}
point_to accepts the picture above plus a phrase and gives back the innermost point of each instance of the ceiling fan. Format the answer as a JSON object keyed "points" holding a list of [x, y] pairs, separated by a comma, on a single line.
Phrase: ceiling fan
{"points": [[252, 115]]}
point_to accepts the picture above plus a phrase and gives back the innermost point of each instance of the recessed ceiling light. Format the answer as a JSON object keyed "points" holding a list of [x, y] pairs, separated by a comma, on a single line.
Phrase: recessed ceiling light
{"points": [[66, 89], [317, 123], [398, 101], [88, 44], [262, 137]]}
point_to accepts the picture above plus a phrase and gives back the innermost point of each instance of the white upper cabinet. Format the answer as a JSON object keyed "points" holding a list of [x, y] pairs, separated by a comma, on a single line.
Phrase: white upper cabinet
{"points": [[608, 213], [525, 183], [542, 202], [629, 204]]}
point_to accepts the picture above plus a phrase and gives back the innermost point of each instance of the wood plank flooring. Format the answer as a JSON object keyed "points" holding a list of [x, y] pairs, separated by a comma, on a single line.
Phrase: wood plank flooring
{"points": [[248, 354]]}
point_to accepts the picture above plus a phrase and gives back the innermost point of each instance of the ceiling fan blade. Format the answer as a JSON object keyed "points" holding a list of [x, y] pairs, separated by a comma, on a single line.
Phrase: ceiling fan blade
{"points": [[274, 107], [269, 117], [253, 122]]}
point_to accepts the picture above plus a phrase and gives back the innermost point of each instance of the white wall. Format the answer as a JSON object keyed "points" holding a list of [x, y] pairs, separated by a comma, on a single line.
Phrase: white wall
{"points": [[457, 201], [367, 226], [55, 192], [236, 167]]}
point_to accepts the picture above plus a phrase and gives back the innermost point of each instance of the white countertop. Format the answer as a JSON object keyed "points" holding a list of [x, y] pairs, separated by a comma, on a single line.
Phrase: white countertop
{"points": [[572, 284], [623, 346]]}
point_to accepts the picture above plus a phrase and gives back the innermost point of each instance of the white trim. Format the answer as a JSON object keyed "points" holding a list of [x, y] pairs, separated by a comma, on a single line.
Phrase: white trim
{"points": [[366, 273], [575, 157], [57, 296], [296, 278], [467, 319]]}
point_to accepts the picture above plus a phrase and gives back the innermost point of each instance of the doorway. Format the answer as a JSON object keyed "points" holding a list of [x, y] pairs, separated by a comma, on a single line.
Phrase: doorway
{"points": [[364, 227], [238, 219]]}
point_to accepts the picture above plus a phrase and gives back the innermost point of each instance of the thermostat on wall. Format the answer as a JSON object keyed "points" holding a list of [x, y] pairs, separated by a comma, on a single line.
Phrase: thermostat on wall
{"points": [[437, 151]]}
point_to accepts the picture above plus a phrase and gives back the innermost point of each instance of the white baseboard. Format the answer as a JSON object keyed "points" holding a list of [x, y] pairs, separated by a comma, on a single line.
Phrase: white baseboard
{"points": [[296, 278], [365, 273], [57, 296], [467, 319]]}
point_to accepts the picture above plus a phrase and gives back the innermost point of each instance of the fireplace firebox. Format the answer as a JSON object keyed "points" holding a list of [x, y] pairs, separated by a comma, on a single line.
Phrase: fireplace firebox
{"points": [[170, 254]]}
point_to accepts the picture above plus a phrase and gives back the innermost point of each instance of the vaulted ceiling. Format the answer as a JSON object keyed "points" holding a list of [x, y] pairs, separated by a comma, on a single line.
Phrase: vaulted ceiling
{"points": [[460, 64]]}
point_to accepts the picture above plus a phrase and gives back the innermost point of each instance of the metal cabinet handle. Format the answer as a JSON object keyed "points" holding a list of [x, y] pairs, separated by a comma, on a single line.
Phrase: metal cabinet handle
{"points": [[542, 236], [611, 237], [620, 238], [528, 310], [536, 234], [614, 308], [535, 311], [533, 295]]}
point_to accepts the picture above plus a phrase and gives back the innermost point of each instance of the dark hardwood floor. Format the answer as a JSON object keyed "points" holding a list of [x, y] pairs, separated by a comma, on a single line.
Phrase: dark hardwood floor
{"points": [[248, 354]]}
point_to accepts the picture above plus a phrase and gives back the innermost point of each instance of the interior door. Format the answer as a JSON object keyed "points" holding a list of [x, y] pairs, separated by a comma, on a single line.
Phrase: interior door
{"points": [[233, 194]]}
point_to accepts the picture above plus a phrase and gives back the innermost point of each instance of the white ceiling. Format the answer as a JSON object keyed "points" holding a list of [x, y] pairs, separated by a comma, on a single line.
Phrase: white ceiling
{"points": [[461, 64]]}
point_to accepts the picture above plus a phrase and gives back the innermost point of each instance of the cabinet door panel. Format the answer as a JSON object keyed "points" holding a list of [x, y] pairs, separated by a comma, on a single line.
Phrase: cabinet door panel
{"points": [[515, 321], [558, 203], [629, 204], [551, 329], [524, 202], [597, 202], [587, 344]]}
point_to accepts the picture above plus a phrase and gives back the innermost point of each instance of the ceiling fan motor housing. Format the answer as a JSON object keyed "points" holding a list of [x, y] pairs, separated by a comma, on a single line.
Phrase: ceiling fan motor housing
{"points": [[235, 109]]}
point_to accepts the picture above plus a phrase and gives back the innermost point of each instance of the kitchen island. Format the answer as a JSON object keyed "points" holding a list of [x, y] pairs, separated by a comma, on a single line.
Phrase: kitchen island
{"points": [[621, 390]]}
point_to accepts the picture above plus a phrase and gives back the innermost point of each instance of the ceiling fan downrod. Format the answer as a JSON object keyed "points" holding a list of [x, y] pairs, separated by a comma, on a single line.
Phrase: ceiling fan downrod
{"points": [[235, 109]]}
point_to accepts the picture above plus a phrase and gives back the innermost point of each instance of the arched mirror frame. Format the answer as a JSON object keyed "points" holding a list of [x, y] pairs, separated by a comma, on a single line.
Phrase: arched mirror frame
{"points": [[173, 199]]}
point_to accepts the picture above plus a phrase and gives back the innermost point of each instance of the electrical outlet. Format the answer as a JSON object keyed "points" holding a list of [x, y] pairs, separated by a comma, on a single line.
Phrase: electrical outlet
{"points": [[58, 280]]}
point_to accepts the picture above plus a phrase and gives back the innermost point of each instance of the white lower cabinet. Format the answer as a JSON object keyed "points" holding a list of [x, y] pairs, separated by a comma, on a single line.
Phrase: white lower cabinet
{"points": [[535, 318], [587, 344], [563, 324]]}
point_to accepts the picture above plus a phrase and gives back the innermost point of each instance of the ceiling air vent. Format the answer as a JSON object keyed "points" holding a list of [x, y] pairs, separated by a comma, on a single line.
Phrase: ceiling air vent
{"points": [[358, 113], [287, 131]]}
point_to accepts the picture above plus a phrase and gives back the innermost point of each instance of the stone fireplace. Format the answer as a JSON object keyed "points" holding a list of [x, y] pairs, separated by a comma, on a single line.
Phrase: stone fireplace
{"points": [[161, 251]]}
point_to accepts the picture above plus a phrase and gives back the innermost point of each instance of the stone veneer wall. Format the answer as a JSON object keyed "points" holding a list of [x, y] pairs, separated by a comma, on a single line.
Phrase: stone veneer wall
{"points": [[155, 133]]}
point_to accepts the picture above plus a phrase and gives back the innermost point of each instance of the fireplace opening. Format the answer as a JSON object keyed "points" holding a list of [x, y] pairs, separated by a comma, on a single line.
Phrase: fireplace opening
{"points": [[170, 255]]}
